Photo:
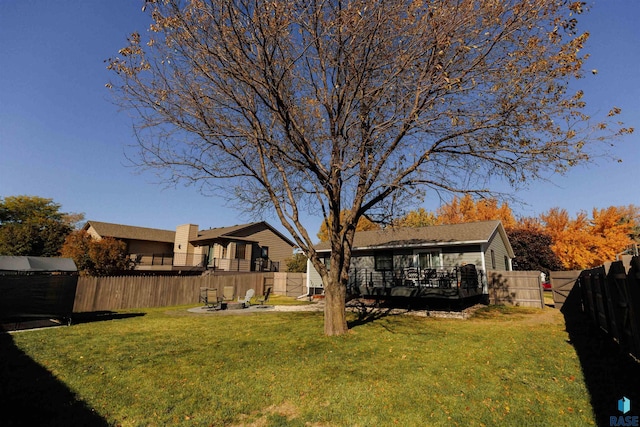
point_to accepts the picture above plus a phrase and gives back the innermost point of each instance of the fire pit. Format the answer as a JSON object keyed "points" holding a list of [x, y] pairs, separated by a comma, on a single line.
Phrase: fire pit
{"points": [[234, 306]]}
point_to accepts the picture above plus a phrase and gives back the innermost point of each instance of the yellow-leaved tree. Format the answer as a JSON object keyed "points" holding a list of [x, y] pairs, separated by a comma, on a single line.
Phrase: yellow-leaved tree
{"points": [[364, 224], [417, 218], [467, 209], [584, 242]]}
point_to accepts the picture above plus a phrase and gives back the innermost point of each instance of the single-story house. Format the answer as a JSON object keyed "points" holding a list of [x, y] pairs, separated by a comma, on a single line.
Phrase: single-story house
{"points": [[254, 246], [444, 260]]}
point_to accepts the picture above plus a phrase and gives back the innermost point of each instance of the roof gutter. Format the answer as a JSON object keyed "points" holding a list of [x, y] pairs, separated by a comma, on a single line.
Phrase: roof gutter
{"points": [[404, 245]]}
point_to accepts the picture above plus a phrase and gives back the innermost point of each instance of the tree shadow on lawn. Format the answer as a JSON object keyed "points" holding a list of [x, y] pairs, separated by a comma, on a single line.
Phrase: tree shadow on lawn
{"points": [[609, 372], [22, 323], [367, 313], [31, 395], [101, 316]]}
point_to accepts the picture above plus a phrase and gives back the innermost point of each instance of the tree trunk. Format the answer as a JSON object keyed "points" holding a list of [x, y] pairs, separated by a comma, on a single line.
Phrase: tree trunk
{"points": [[335, 320]]}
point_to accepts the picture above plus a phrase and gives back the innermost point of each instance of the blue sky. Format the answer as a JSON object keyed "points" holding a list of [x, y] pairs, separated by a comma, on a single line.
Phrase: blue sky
{"points": [[61, 137]]}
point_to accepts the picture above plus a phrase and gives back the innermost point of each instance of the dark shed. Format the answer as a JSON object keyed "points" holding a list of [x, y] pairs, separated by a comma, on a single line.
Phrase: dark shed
{"points": [[37, 287]]}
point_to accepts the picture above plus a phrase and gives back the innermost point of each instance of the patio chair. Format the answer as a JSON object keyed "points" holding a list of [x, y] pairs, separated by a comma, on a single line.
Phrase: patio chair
{"points": [[246, 301], [203, 295], [411, 276], [265, 297], [213, 301], [228, 293], [430, 277]]}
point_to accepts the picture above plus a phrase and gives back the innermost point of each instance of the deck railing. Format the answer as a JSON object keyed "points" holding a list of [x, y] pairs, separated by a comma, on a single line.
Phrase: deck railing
{"points": [[177, 259], [366, 281], [148, 259], [229, 264], [262, 264]]}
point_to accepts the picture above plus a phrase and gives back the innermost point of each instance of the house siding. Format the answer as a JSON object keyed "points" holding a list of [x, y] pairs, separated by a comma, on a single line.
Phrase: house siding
{"points": [[146, 247], [279, 250], [497, 245], [186, 254], [462, 255], [364, 262], [313, 277], [93, 233], [451, 256]]}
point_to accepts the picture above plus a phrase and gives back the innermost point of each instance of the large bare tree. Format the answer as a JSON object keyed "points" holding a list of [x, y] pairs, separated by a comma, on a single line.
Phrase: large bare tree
{"points": [[354, 105]]}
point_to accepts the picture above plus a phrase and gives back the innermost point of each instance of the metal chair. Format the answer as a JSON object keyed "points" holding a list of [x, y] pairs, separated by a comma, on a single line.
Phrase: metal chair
{"points": [[265, 297], [411, 276], [203, 295], [213, 301]]}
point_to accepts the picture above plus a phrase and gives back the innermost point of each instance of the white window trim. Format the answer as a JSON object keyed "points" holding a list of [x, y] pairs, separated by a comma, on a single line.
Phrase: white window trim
{"points": [[417, 252]]}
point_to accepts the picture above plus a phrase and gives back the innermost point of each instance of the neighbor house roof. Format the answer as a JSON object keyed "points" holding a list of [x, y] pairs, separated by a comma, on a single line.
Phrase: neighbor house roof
{"points": [[119, 231], [33, 263], [230, 233], [436, 235]]}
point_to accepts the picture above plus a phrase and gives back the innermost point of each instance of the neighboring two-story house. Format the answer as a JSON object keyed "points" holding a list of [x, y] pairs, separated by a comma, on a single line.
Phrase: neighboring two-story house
{"points": [[254, 246]]}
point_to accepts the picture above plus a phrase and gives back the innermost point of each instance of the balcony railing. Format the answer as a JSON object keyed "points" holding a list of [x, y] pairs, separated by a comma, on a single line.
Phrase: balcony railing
{"points": [[183, 259], [147, 259], [267, 265], [229, 264]]}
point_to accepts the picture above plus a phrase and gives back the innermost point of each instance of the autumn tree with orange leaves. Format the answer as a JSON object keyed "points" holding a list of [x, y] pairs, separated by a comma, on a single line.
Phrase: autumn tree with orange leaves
{"points": [[96, 257], [364, 224], [551, 242], [417, 218], [585, 242], [466, 209]]}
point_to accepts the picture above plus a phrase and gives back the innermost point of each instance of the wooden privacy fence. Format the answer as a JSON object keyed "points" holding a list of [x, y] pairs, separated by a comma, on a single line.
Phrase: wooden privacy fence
{"points": [[611, 297], [561, 284], [522, 288], [290, 284], [123, 292]]}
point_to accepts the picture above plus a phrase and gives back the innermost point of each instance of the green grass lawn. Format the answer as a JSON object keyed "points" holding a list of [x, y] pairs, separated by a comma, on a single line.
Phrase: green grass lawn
{"points": [[505, 366]]}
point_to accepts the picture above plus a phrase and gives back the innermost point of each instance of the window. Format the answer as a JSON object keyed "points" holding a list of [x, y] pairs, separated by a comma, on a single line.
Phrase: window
{"points": [[264, 252], [506, 263], [327, 262], [493, 259], [384, 261], [241, 249], [429, 260]]}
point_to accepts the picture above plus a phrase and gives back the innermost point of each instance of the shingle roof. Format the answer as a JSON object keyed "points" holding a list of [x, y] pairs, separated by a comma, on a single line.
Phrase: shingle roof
{"points": [[119, 231], [33, 263], [228, 232], [472, 232], [214, 233]]}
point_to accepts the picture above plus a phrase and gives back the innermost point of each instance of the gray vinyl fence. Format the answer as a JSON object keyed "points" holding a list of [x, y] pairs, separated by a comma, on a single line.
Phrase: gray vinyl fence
{"points": [[124, 292]]}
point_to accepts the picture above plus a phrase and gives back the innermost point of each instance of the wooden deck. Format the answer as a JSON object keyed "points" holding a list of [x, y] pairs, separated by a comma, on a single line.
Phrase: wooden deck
{"points": [[452, 283]]}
